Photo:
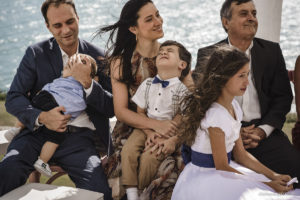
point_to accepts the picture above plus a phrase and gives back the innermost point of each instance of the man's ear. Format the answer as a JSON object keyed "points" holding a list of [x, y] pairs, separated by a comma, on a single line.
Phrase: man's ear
{"points": [[225, 22], [182, 65], [47, 25], [133, 30]]}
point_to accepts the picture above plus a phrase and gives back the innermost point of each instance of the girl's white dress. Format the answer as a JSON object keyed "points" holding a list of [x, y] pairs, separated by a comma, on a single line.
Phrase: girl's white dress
{"points": [[210, 184]]}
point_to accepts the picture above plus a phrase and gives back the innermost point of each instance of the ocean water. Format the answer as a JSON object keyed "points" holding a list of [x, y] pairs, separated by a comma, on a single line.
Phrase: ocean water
{"points": [[195, 23]]}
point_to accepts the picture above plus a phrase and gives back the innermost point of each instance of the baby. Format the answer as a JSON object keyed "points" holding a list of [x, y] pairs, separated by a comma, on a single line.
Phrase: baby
{"points": [[69, 93]]}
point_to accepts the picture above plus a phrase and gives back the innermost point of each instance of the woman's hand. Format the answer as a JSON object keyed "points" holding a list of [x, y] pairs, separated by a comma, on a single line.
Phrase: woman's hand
{"points": [[151, 137], [168, 146], [166, 128]]}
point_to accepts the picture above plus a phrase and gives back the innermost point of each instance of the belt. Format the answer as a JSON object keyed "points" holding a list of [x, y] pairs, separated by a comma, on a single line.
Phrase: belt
{"points": [[75, 129], [205, 160]]}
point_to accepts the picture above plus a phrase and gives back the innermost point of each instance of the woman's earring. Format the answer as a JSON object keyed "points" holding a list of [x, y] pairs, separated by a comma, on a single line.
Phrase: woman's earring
{"points": [[136, 39]]}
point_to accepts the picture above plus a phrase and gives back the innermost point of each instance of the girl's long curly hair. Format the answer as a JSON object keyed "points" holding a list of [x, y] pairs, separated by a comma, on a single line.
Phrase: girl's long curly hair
{"points": [[222, 64]]}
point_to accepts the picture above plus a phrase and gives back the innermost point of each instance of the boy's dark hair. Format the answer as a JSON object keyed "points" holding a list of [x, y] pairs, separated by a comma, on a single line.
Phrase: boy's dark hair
{"points": [[56, 3], [226, 10], [94, 66], [184, 55]]}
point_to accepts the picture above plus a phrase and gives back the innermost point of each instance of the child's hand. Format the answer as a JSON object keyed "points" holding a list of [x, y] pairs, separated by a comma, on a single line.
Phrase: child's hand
{"points": [[279, 186], [167, 146], [281, 177], [166, 128]]}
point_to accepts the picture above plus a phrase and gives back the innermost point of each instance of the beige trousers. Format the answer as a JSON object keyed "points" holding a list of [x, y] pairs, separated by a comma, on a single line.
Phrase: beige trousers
{"points": [[138, 168]]}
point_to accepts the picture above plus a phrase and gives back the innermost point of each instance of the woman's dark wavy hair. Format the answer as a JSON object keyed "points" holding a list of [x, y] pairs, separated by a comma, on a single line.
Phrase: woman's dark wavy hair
{"points": [[122, 42], [222, 64]]}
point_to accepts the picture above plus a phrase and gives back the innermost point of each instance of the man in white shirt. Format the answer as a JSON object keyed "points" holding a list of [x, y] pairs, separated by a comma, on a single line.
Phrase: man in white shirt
{"points": [[41, 64], [268, 97]]}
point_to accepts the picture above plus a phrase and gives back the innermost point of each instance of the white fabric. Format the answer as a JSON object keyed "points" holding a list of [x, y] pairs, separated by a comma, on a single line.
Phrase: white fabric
{"points": [[65, 56], [83, 120], [38, 191], [11, 133], [249, 102], [42, 167], [269, 19], [88, 91], [4, 142], [267, 128], [210, 184], [160, 99], [132, 193], [218, 116]]}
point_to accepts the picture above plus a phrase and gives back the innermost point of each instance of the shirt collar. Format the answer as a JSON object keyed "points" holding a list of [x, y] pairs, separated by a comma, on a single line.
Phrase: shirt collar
{"points": [[247, 52], [64, 54], [172, 81]]}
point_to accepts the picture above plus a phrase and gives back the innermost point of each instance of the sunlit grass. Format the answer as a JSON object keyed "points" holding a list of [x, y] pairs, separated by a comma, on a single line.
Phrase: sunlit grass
{"points": [[5, 118]]}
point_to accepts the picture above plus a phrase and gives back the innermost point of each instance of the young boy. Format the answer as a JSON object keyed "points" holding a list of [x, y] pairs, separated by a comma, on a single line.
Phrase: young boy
{"points": [[69, 93], [158, 98]]}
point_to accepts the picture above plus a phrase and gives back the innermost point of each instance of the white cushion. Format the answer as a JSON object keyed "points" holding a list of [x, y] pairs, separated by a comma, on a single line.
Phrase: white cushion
{"points": [[38, 191], [3, 142]]}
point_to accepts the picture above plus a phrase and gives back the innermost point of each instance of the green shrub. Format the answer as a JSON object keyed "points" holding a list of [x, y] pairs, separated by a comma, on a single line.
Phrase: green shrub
{"points": [[291, 118], [2, 95]]}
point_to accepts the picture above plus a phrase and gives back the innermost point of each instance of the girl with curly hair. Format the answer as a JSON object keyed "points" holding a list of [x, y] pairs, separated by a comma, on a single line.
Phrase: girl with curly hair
{"points": [[211, 128]]}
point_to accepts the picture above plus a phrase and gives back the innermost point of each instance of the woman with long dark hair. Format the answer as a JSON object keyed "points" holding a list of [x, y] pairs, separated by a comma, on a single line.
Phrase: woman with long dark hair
{"points": [[133, 47]]}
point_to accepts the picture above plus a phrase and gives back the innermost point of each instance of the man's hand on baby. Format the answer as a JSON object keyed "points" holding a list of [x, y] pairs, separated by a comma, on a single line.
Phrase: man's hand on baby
{"points": [[166, 128], [81, 70], [54, 119]]}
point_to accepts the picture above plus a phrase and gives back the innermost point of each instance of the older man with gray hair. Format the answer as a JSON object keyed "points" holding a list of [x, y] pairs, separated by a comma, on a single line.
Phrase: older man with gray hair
{"points": [[268, 97]]}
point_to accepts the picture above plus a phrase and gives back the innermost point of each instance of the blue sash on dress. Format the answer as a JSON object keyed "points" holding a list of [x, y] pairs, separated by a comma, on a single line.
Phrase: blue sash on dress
{"points": [[199, 159], [186, 153]]}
